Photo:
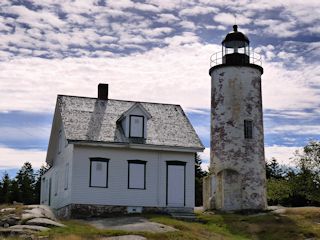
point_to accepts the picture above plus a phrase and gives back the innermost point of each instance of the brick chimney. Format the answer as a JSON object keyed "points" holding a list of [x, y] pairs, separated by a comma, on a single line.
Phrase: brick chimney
{"points": [[103, 91]]}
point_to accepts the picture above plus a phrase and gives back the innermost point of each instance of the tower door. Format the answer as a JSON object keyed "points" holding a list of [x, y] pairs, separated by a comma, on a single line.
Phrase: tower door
{"points": [[231, 185], [176, 175]]}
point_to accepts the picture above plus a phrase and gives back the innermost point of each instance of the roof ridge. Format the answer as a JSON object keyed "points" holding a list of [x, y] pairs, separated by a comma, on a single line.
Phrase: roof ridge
{"points": [[170, 104]]}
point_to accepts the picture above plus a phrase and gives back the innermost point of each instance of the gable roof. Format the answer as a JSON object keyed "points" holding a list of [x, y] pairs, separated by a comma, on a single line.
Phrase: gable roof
{"points": [[93, 120]]}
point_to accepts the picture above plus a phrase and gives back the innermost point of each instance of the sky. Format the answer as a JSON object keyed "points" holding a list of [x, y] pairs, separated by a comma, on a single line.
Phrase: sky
{"points": [[153, 50]]}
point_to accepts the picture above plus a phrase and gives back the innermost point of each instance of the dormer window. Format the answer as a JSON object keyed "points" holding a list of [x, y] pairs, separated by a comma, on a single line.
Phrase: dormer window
{"points": [[133, 123], [136, 126]]}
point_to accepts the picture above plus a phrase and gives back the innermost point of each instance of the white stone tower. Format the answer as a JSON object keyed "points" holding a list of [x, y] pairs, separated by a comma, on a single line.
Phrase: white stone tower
{"points": [[237, 163]]}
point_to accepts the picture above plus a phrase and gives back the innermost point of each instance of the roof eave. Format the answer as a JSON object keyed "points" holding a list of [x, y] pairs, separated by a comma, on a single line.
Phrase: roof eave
{"points": [[136, 146]]}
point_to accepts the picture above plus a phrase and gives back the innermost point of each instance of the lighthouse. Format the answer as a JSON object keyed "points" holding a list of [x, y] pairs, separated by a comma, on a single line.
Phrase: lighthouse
{"points": [[237, 179]]}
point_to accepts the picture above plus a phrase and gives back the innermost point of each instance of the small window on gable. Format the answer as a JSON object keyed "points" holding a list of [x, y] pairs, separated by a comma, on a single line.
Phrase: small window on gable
{"points": [[136, 174], [99, 172], [248, 128], [136, 126], [60, 142], [66, 177], [56, 184]]}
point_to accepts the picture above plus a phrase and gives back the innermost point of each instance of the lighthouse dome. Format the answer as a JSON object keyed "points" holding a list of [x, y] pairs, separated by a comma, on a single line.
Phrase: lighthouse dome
{"points": [[235, 36]]}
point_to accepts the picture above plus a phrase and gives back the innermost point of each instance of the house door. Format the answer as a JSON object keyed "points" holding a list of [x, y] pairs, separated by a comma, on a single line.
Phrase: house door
{"points": [[49, 192], [176, 183]]}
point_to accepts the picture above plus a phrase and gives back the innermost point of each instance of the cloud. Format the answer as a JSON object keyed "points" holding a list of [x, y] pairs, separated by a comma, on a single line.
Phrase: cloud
{"points": [[182, 65], [283, 154], [205, 157], [229, 19], [167, 18], [19, 133], [197, 10], [14, 158], [177, 71], [296, 129]]}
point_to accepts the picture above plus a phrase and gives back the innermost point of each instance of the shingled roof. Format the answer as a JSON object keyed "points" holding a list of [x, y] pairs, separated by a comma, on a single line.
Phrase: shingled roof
{"points": [[93, 120]]}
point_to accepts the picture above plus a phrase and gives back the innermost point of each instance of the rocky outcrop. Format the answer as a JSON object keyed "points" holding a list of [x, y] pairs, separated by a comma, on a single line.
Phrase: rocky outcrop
{"points": [[26, 220]]}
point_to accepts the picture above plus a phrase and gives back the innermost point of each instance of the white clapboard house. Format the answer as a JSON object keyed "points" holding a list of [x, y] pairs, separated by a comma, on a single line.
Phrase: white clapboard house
{"points": [[114, 156]]}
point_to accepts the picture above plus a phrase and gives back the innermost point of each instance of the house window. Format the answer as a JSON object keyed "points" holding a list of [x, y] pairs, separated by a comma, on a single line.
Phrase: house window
{"points": [[248, 126], [56, 184], [136, 174], [60, 142], [66, 177], [99, 172], [136, 126], [47, 190]]}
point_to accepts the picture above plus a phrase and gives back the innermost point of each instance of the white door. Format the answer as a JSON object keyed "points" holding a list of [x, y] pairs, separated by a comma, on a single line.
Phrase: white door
{"points": [[176, 186]]}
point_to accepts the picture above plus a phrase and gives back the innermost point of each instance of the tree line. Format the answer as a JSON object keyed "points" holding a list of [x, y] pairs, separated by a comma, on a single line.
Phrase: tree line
{"points": [[298, 185], [24, 187]]}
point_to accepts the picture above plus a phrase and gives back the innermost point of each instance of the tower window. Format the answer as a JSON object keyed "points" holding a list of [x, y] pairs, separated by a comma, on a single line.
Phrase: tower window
{"points": [[248, 125]]}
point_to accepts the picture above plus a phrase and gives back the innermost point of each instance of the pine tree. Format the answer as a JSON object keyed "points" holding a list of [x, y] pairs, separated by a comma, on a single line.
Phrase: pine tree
{"points": [[199, 174], [5, 189], [26, 183], [273, 170], [15, 195], [37, 189]]}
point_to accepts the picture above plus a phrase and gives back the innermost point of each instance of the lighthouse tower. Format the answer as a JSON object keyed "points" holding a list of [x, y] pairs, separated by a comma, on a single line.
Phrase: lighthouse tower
{"points": [[237, 163]]}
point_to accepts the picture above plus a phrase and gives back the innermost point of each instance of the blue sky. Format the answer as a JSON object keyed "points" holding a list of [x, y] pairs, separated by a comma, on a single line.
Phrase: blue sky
{"points": [[152, 50]]}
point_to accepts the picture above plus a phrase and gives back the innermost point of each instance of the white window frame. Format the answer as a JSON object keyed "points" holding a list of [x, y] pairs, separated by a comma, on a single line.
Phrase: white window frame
{"points": [[66, 177], [140, 162], [142, 129], [60, 141], [103, 160], [56, 184]]}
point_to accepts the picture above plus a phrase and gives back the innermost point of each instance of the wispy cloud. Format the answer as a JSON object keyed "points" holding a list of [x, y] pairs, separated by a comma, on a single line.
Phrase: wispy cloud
{"points": [[14, 158]]}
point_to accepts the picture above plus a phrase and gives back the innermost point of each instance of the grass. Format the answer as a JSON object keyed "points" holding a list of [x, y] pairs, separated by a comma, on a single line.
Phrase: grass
{"points": [[294, 224]]}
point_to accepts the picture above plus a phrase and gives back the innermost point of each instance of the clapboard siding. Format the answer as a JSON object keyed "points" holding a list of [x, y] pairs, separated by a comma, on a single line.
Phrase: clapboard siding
{"points": [[117, 192], [57, 175]]}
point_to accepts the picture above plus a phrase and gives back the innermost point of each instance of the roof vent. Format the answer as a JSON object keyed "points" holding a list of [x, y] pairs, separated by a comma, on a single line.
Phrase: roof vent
{"points": [[103, 91]]}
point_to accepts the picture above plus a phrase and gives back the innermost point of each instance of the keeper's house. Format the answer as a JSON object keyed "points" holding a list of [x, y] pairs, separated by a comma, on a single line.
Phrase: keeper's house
{"points": [[113, 156]]}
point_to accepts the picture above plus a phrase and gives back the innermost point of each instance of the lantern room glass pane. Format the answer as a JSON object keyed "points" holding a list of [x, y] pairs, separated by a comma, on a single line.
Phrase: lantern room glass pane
{"points": [[235, 47]]}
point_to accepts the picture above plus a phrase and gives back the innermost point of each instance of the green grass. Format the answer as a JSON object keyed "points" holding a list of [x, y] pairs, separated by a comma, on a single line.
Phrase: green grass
{"points": [[294, 224]]}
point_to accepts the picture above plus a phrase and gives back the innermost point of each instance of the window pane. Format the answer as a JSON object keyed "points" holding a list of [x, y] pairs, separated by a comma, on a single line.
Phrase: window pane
{"points": [[136, 175], [98, 174], [60, 142], [136, 126], [66, 177], [56, 183], [248, 129]]}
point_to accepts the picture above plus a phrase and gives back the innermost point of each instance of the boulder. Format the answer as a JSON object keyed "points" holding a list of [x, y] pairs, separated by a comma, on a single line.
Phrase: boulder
{"points": [[7, 210], [29, 227], [39, 211], [45, 222], [10, 219], [13, 232]]}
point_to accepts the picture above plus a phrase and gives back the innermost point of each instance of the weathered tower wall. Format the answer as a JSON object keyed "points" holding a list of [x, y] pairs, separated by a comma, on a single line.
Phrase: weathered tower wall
{"points": [[237, 164]]}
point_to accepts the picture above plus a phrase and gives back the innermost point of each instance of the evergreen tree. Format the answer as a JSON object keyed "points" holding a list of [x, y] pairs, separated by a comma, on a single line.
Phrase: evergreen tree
{"points": [[5, 189], [37, 189], [15, 194], [273, 170], [199, 174], [26, 183]]}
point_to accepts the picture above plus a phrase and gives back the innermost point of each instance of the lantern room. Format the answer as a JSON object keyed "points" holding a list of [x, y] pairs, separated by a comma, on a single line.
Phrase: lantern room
{"points": [[235, 48]]}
